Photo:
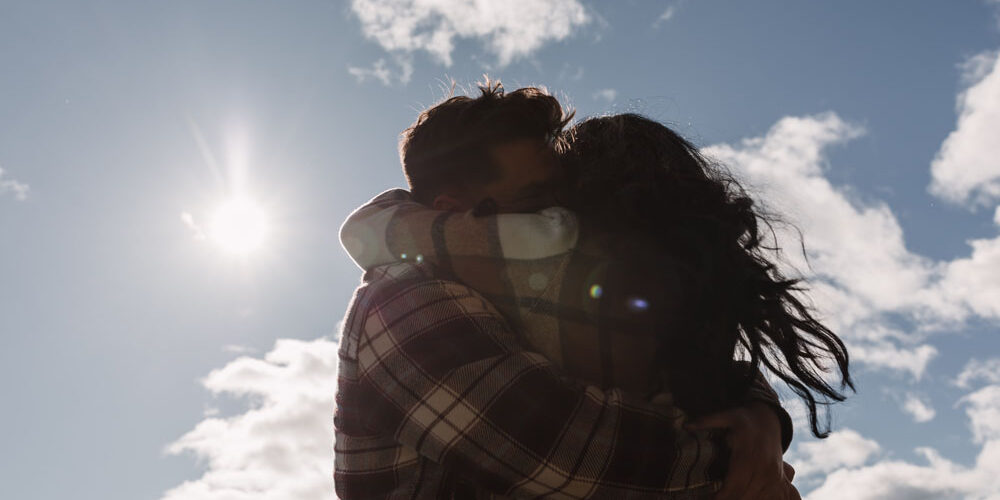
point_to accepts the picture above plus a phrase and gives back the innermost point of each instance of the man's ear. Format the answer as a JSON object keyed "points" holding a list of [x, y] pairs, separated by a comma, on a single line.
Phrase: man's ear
{"points": [[448, 203]]}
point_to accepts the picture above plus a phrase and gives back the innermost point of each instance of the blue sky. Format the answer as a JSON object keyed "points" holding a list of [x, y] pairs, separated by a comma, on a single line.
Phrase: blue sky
{"points": [[142, 360]]}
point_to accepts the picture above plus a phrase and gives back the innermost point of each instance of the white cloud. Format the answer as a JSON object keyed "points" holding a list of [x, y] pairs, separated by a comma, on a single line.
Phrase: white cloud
{"points": [[983, 407], [966, 169], [859, 268], [282, 446], [939, 478], [840, 449], [19, 189], [885, 354], [381, 71], [918, 408], [974, 281], [856, 246], [608, 95], [509, 29], [667, 15], [238, 349], [987, 370]]}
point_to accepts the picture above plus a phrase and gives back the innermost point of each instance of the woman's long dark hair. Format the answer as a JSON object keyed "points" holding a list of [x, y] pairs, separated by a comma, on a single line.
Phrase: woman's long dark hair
{"points": [[689, 224]]}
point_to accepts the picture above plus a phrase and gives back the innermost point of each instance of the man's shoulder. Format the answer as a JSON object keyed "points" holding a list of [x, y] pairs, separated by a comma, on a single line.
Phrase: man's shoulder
{"points": [[409, 298], [408, 282], [398, 276], [398, 272]]}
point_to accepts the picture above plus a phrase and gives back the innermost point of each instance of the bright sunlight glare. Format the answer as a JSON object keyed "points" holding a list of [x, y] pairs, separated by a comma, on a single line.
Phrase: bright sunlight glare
{"points": [[239, 226]]}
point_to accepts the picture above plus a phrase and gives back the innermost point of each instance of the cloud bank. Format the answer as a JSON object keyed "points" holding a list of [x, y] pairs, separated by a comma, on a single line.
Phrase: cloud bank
{"points": [[939, 478]]}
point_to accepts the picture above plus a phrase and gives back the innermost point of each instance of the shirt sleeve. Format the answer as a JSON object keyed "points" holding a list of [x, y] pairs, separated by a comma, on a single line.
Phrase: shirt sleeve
{"points": [[447, 376], [761, 390], [392, 227]]}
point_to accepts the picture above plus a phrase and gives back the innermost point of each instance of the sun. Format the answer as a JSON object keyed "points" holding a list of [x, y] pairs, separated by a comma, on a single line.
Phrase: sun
{"points": [[239, 226]]}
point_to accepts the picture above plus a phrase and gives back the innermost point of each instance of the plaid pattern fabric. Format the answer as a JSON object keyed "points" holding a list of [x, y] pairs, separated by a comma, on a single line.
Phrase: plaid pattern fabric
{"points": [[582, 311], [437, 398]]}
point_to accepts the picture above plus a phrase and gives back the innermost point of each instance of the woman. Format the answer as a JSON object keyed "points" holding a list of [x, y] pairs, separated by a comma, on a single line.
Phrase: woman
{"points": [[654, 280], [689, 224]]}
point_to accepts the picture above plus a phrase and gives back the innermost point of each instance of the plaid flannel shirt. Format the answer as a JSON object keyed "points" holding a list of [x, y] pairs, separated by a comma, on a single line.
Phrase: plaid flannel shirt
{"points": [[437, 398], [550, 285]]}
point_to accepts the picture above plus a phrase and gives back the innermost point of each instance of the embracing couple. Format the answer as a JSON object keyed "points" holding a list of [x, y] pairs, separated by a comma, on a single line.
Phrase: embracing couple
{"points": [[568, 313]]}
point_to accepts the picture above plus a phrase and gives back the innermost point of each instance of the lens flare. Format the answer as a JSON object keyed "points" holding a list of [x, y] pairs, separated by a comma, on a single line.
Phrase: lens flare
{"points": [[638, 304]]}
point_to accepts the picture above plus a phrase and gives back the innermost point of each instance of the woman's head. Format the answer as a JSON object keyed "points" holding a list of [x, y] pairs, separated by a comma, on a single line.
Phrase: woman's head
{"points": [[626, 165], [654, 193]]}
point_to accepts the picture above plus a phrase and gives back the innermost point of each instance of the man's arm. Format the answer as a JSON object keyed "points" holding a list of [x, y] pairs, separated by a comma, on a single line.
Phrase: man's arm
{"points": [[392, 227], [447, 376]]}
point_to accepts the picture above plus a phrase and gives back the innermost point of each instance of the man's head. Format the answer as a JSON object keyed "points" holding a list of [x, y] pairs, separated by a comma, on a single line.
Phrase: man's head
{"points": [[499, 146]]}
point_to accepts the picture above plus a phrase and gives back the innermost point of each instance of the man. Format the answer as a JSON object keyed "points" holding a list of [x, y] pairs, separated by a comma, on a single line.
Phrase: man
{"points": [[438, 397]]}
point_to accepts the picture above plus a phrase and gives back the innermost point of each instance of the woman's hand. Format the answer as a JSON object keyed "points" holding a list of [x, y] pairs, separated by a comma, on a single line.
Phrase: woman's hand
{"points": [[756, 469]]}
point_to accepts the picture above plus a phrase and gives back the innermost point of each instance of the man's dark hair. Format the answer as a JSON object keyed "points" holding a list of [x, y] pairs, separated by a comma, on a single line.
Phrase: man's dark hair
{"points": [[449, 144]]}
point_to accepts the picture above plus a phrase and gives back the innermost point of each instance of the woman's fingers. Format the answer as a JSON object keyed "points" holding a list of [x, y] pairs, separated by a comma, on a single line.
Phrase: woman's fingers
{"points": [[789, 471], [722, 419], [736, 483], [791, 493]]}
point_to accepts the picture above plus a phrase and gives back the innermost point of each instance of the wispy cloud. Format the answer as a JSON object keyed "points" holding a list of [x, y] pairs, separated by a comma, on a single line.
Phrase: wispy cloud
{"points": [[381, 71], [918, 408], [8, 185], [509, 30], [608, 95], [567, 72], [667, 15], [987, 370], [238, 349], [196, 230], [888, 354], [983, 408]]}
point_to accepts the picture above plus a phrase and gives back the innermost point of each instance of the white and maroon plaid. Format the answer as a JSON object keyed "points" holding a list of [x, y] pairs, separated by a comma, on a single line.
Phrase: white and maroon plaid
{"points": [[437, 398]]}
